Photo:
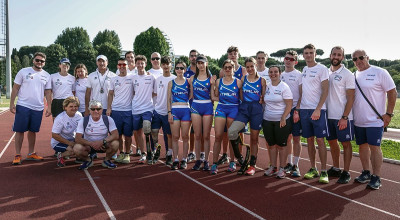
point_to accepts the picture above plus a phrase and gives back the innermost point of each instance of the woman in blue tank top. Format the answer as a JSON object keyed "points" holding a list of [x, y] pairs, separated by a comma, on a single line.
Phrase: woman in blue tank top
{"points": [[179, 113], [201, 85], [227, 91]]}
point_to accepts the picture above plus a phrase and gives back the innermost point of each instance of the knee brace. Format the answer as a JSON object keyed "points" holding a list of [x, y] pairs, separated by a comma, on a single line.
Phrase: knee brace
{"points": [[233, 131]]}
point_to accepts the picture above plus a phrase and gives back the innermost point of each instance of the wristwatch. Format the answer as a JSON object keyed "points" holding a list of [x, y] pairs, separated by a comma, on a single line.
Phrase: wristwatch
{"points": [[345, 117], [104, 142], [390, 114]]}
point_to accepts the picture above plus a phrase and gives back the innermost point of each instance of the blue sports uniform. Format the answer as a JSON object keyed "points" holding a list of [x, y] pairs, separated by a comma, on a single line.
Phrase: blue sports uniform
{"points": [[228, 100], [202, 104], [180, 93], [239, 73]]}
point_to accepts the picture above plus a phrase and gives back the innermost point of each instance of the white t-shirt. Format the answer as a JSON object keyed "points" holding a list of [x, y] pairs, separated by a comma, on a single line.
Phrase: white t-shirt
{"points": [[123, 93], [264, 74], [33, 84], [374, 82], [65, 126], [339, 81], [62, 86], [293, 79], [156, 73], [161, 89], [98, 81], [129, 72], [311, 86], [95, 130], [80, 91], [143, 87], [274, 101]]}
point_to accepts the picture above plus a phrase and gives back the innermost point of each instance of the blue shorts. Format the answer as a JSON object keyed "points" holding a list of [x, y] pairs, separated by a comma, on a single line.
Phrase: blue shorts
{"points": [[370, 135], [342, 135], [226, 111], [311, 128], [123, 122], [181, 114], [137, 120], [60, 147], [296, 127], [27, 119], [250, 112], [202, 109], [160, 121]]}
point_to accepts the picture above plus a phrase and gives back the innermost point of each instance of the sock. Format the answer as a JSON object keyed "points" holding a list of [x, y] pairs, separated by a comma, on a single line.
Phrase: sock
{"points": [[296, 161], [336, 169], [184, 159], [169, 153], [290, 158], [176, 160]]}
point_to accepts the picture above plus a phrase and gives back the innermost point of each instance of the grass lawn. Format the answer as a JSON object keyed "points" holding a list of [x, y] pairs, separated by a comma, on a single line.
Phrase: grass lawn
{"points": [[395, 123], [4, 102]]}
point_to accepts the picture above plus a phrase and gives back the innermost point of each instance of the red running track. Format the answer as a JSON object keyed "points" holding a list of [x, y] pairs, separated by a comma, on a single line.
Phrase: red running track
{"points": [[133, 191]]}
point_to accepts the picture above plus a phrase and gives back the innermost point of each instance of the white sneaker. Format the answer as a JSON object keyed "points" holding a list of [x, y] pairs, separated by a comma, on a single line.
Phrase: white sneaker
{"points": [[270, 171], [281, 174], [142, 158]]}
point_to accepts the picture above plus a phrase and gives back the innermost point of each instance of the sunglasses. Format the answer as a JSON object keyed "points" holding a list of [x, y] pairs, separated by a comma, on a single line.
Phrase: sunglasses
{"points": [[360, 57], [121, 64], [290, 58], [95, 109], [39, 61], [179, 68], [193, 55], [228, 67], [155, 58]]}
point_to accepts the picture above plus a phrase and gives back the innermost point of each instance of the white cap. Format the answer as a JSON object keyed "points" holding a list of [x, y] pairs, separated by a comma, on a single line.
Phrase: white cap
{"points": [[101, 57]]}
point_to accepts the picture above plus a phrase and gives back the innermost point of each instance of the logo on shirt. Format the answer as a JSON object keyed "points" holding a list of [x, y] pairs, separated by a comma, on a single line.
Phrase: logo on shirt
{"points": [[29, 76], [337, 78], [267, 92], [117, 83], [58, 83]]}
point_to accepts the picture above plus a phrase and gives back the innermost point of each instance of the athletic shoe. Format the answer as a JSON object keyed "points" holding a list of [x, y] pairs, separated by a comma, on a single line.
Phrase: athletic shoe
{"points": [[202, 156], [142, 158], [67, 158], [149, 158], [168, 160], [375, 182], [34, 156], [183, 165], [288, 168], [120, 158], [214, 169], [271, 171], [157, 154], [250, 171], [114, 156], [127, 159], [197, 165], [324, 177], [312, 173], [334, 173], [79, 161], [60, 160], [191, 157], [17, 160], [92, 156], [206, 166], [232, 167], [175, 165], [281, 173], [295, 171], [131, 152], [344, 177], [108, 164], [364, 177], [138, 152], [223, 159], [85, 165]]}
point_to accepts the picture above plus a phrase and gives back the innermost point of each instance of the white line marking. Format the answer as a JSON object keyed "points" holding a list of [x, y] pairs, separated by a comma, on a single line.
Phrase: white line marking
{"points": [[8, 144], [3, 112], [102, 200]]}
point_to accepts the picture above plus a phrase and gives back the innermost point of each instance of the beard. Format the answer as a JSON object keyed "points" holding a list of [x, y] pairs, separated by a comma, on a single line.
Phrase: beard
{"points": [[337, 63]]}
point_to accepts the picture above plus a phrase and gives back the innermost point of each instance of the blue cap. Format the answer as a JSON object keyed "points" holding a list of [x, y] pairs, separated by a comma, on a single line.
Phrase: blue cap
{"points": [[65, 60]]}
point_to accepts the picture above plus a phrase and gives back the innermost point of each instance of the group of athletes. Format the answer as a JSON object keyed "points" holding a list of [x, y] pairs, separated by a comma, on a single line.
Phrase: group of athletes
{"points": [[100, 112]]}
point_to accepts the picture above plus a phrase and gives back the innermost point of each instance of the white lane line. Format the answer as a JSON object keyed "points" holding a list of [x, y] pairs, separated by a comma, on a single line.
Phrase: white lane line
{"points": [[8, 144], [103, 201], [3, 112]]}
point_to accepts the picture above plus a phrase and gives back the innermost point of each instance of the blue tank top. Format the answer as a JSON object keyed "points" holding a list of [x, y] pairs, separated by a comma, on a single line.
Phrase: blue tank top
{"points": [[201, 89], [228, 94], [239, 73], [251, 90], [180, 93]]}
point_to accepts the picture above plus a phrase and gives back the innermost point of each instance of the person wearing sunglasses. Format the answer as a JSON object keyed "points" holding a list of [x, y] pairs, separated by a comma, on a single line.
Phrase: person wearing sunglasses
{"points": [[378, 87], [99, 83], [130, 58], [31, 84], [340, 117], [160, 114], [119, 108], [262, 70], [179, 114], [313, 116], [62, 86], [227, 90], [99, 135], [292, 77], [156, 69]]}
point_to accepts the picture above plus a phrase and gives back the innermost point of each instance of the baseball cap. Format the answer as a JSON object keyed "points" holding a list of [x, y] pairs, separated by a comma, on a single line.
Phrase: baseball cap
{"points": [[101, 57], [201, 58], [65, 60]]}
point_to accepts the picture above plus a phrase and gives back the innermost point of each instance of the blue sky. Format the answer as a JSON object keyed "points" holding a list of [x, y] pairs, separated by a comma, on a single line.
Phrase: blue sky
{"points": [[211, 26]]}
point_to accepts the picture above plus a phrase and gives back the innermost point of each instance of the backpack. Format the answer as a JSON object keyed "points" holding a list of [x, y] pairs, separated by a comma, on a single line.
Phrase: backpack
{"points": [[105, 120]]}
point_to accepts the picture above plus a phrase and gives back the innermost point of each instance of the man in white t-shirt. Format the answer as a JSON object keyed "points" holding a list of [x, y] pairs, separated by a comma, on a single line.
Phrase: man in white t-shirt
{"points": [[156, 69], [293, 78], [96, 133], [340, 117], [262, 70], [313, 117], [30, 85], [99, 83], [130, 58], [160, 114], [376, 84]]}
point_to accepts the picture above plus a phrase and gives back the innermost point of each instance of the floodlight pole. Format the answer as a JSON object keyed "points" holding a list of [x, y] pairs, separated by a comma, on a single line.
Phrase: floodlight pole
{"points": [[8, 55]]}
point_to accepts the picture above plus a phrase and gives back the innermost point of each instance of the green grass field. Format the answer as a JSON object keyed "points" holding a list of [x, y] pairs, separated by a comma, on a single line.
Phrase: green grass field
{"points": [[395, 123]]}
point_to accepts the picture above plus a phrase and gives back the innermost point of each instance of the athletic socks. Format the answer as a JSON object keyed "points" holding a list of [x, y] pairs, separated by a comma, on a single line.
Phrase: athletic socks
{"points": [[290, 158], [296, 161], [169, 152]]}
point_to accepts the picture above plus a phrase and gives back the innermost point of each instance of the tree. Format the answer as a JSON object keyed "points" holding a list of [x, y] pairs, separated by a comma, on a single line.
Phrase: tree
{"points": [[111, 52], [86, 55], [54, 53], [30, 51], [149, 41], [107, 36], [25, 61], [185, 59], [17, 62]]}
